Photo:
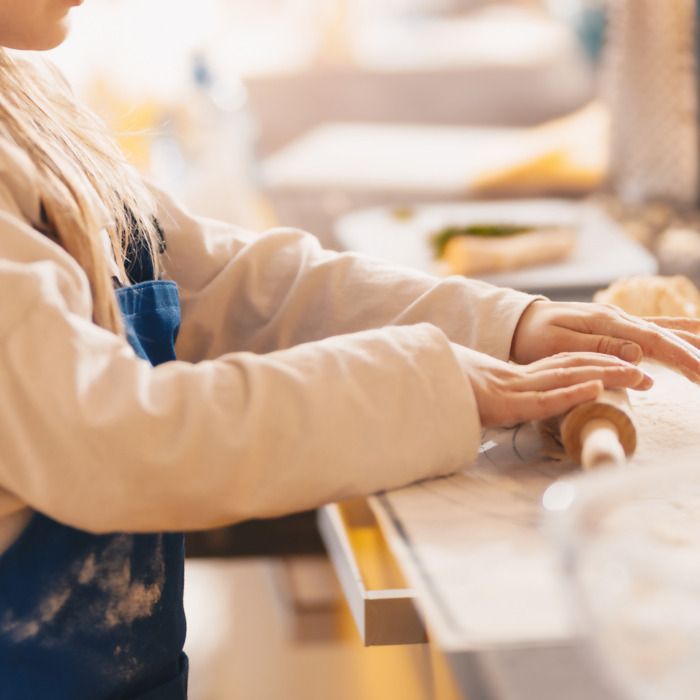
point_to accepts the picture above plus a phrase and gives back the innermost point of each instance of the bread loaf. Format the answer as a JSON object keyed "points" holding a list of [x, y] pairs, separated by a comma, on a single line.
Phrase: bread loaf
{"points": [[654, 296]]}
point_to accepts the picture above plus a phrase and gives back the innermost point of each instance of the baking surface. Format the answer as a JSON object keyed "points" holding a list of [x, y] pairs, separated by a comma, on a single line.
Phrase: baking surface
{"points": [[471, 544], [603, 253]]}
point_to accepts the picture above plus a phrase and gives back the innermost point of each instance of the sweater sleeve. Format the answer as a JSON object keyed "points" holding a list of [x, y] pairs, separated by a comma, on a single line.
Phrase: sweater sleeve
{"points": [[262, 292], [98, 439]]}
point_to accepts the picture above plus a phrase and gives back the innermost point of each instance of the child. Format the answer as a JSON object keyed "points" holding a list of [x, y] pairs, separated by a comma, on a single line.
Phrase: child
{"points": [[303, 376]]}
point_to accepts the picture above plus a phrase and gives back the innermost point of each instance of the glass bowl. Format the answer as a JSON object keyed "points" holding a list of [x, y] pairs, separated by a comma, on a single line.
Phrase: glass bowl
{"points": [[629, 544]]}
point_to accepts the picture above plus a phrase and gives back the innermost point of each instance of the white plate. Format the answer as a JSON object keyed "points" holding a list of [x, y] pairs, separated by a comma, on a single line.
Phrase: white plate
{"points": [[603, 253]]}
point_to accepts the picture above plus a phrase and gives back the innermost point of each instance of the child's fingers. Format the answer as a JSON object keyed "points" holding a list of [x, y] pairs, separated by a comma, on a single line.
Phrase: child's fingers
{"points": [[613, 376], [576, 359], [648, 340], [691, 338], [610, 331], [666, 346], [539, 405], [622, 348], [690, 325]]}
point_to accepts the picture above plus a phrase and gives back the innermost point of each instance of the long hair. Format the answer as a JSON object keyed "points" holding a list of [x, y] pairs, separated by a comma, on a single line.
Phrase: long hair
{"points": [[85, 184]]}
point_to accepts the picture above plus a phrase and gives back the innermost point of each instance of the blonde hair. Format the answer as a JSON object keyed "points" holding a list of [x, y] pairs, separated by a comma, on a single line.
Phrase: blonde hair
{"points": [[85, 183]]}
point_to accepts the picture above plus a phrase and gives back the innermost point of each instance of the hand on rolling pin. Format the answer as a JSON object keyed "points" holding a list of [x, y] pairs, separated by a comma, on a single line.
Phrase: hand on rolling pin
{"points": [[547, 328], [508, 394]]}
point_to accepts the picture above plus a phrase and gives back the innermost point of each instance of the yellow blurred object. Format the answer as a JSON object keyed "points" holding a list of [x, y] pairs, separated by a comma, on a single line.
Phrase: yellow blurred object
{"points": [[131, 122], [335, 49], [573, 158], [379, 569]]}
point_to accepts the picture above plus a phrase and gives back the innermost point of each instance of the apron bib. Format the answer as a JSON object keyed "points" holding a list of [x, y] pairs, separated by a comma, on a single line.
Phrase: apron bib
{"points": [[98, 617]]}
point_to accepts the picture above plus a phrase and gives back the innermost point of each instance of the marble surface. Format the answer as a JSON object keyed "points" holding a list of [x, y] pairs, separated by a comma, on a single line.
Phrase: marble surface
{"points": [[488, 578]]}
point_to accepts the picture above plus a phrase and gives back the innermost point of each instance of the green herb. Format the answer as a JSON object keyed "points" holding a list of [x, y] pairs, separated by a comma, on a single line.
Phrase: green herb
{"points": [[445, 235]]}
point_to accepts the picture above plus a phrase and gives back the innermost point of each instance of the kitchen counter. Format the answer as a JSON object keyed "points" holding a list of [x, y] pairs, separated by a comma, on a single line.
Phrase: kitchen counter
{"points": [[487, 580]]}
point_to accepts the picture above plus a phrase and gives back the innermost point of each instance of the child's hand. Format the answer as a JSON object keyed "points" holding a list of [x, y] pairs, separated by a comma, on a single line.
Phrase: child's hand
{"points": [[507, 394], [547, 328]]}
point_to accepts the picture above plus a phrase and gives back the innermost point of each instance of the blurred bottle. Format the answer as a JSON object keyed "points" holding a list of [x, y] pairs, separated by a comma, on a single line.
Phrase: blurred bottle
{"points": [[204, 151], [649, 81], [588, 19]]}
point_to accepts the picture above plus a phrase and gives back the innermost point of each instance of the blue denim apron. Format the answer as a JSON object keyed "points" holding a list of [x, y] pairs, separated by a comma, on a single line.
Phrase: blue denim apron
{"points": [[86, 617]]}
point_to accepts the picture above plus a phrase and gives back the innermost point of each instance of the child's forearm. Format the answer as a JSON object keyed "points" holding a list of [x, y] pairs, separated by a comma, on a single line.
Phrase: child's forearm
{"points": [[127, 447], [244, 291]]}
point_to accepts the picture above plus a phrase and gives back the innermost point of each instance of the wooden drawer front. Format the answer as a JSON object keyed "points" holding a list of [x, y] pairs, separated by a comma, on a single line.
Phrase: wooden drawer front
{"points": [[382, 606]]}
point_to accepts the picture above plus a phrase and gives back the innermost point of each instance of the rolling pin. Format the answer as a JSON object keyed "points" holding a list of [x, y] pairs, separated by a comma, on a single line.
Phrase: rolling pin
{"points": [[601, 432]]}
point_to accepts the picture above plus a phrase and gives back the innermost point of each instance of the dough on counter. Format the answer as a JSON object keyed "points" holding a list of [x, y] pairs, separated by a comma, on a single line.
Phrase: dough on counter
{"points": [[654, 296]]}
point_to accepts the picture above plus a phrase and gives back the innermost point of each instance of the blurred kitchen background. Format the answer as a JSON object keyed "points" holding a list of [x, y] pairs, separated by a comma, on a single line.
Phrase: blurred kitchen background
{"points": [[205, 97], [300, 112]]}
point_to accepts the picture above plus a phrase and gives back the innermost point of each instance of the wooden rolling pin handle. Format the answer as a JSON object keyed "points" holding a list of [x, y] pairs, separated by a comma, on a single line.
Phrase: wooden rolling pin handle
{"points": [[600, 445], [600, 432]]}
